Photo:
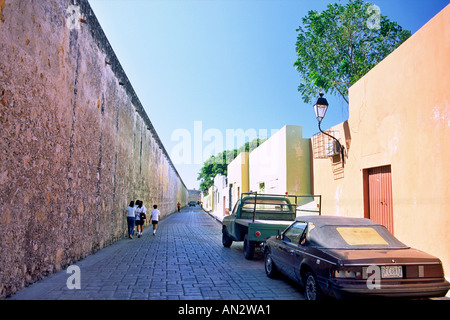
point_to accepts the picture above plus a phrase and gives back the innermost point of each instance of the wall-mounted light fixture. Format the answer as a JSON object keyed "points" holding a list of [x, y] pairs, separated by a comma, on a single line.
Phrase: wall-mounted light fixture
{"points": [[320, 109]]}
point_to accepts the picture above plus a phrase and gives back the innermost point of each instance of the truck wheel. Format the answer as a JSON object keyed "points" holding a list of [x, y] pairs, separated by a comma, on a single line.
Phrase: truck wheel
{"points": [[249, 248], [226, 239]]}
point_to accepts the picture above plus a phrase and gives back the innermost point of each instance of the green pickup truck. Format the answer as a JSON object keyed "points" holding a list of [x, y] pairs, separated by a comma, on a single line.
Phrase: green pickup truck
{"points": [[256, 217]]}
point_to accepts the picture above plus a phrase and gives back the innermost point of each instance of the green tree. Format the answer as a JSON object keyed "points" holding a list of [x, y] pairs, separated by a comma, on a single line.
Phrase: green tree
{"points": [[218, 164], [338, 46], [213, 166]]}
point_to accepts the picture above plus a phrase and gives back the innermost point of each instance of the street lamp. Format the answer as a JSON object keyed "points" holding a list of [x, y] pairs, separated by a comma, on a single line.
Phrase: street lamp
{"points": [[320, 108]]}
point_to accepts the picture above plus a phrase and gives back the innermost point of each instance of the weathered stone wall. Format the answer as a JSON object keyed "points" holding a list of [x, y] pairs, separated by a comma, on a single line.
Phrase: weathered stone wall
{"points": [[75, 143]]}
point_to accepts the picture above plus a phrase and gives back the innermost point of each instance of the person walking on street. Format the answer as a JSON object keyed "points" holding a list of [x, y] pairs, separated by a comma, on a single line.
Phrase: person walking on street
{"points": [[136, 203], [131, 218], [179, 206], [140, 217], [155, 218]]}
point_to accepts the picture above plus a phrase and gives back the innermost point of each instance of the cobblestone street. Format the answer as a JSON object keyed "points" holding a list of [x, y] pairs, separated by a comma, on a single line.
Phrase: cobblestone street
{"points": [[184, 261]]}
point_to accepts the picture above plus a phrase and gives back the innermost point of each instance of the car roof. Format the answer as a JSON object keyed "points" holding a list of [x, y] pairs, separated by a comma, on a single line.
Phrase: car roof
{"points": [[336, 220]]}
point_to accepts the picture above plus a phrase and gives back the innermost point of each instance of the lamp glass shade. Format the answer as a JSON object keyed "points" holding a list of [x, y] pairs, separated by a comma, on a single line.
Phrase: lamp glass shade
{"points": [[320, 110]]}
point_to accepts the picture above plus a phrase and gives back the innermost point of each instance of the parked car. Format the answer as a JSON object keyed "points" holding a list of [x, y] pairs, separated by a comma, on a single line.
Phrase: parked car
{"points": [[192, 203], [352, 257]]}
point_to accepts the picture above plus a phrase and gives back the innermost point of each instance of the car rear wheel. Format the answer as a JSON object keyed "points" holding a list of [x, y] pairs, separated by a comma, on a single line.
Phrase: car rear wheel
{"points": [[249, 248], [271, 268], [226, 239], [312, 290]]}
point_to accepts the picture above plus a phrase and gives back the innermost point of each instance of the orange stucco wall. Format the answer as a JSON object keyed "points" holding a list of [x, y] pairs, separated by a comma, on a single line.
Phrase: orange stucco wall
{"points": [[399, 115]]}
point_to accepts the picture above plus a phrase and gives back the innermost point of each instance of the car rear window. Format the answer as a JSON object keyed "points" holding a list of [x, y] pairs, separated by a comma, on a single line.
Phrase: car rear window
{"points": [[353, 237]]}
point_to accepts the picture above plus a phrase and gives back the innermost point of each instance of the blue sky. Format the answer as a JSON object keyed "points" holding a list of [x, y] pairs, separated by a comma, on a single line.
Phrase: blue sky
{"points": [[224, 64]]}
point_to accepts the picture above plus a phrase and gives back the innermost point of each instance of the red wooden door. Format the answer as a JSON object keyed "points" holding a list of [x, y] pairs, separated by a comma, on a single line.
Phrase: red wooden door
{"points": [[378, 196]]}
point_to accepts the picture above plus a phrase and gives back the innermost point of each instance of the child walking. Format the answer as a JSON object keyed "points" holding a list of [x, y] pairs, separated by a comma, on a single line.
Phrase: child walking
{"points": [[155, 218], [140, 217]]}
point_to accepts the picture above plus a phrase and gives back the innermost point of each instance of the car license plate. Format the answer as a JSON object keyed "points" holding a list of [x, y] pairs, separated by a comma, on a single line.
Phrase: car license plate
{"points": [[391, 272]]}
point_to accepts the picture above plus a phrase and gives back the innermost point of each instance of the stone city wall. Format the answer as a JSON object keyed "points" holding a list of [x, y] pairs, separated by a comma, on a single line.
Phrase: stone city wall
{"points": [[75, 142]]}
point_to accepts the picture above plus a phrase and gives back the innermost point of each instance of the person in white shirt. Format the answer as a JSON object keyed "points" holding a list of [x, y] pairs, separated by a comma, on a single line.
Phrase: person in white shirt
{"points": [[141, 211], [131, 213], [155, 218]]}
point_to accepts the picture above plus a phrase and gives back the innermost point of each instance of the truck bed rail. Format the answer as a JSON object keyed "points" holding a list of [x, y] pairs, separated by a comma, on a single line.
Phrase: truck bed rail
{"points": [[301, 203]]}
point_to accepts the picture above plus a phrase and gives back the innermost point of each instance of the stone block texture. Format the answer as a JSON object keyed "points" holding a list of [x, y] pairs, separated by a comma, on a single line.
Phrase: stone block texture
{"points": [[75, 142]]}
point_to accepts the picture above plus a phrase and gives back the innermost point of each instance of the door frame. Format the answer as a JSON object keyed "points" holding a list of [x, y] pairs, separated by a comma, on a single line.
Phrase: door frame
{"points": [[389, 220]]}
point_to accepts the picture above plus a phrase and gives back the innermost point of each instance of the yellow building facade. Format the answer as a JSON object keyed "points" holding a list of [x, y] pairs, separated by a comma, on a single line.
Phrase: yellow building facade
{"points": [[238, 176], [397, 145], [282, 163]]}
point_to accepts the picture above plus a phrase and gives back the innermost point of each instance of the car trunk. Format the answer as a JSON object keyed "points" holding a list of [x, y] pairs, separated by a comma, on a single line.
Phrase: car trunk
{"points": [[414, 263]]}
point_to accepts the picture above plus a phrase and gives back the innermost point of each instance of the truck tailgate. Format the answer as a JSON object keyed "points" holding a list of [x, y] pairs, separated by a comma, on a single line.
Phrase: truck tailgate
{"points": [[259, 230], [247, 222]]}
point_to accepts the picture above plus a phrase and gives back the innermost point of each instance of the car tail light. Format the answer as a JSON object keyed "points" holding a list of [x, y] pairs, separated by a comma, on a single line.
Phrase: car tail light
{"points": [[347, 273], [432, 271], [425, 271], [257, 233]]}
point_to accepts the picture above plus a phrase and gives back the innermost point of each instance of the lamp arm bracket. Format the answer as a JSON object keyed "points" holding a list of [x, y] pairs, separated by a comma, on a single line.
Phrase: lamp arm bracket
{"points": [[341, 147]]}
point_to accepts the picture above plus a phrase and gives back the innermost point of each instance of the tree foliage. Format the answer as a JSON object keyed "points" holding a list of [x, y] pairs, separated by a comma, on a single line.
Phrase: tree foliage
{"points": [[338, 46], [218, 164]]}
